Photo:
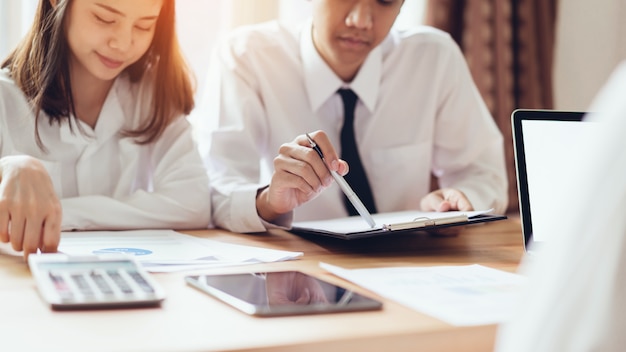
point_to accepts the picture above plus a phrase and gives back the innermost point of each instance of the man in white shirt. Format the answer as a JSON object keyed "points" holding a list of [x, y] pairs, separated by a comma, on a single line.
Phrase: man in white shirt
{"points": [[576, 294], [418, 113]]}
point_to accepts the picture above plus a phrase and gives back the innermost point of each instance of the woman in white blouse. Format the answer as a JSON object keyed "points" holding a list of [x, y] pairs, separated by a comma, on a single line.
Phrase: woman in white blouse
{"points": [[93, 133]]}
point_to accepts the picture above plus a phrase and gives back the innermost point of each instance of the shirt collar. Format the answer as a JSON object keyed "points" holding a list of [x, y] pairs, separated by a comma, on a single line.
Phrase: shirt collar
{"points": [[110, 121], [321, 82]]}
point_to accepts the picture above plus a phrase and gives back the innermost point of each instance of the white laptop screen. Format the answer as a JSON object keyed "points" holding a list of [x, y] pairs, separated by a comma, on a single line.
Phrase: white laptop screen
{"points": [[550, 147]]}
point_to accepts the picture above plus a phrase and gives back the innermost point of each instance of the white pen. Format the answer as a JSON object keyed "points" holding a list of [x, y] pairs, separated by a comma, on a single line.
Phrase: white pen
{"points": [[345, 187]]}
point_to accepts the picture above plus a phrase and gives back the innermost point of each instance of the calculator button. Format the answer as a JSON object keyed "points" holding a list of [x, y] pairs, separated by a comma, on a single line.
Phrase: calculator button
{"points": [[145, 286], [82, 284], [103, 286], [61, 286], [120, 282]]}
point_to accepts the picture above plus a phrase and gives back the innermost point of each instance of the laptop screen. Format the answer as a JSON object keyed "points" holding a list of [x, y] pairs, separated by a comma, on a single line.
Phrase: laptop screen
{"points": [[545, 143]]}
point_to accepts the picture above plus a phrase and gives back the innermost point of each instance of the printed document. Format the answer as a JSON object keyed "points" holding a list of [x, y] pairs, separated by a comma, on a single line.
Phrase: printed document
{"points": [[167, 250], [459, 295]]}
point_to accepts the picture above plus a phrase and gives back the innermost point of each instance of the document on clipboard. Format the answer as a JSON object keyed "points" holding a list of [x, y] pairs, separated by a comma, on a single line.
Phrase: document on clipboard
{"points": [[354, 227]]}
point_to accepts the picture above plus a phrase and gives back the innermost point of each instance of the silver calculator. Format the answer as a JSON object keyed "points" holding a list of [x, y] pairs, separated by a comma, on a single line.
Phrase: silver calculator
{"points": [[98, 281]]}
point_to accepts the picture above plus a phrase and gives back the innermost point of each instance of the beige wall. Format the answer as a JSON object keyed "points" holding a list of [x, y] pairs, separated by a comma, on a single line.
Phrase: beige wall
{"points": [[253, 11], [591, 40]]}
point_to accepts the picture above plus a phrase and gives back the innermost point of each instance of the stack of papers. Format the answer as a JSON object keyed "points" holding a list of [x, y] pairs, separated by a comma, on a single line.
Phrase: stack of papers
{"points": [[167, 250], [459, 295]]}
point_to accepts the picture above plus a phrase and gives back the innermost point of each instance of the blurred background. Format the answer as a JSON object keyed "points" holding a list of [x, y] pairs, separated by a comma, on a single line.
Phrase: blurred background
{"points": [[540, 54]]}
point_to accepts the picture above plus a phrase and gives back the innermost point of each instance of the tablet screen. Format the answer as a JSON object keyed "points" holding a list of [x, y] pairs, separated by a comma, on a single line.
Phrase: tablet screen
{"points": [[281, 293]]}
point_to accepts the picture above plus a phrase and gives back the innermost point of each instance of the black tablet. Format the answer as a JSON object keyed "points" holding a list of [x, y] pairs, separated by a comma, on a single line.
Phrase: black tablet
{"points": [[281, 293]]}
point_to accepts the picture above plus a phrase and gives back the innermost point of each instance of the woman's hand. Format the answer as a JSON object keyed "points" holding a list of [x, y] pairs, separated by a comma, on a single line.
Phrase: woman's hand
{"points": [[30, 211]]}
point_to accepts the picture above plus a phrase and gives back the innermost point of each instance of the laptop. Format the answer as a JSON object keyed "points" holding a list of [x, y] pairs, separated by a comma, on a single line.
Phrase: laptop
{"points": [[545, 142]]}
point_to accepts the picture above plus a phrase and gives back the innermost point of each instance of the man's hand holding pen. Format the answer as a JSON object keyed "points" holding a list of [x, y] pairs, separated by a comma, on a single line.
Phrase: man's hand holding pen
{"points": [[309, 164], [299, 175]]}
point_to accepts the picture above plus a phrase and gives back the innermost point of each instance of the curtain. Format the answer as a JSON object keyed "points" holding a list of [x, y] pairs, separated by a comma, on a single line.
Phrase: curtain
{"points": [[509, 49]]}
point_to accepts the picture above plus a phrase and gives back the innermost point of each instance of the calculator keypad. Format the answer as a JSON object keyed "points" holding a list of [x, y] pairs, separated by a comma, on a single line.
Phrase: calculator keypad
{"points": [[100, 285]]}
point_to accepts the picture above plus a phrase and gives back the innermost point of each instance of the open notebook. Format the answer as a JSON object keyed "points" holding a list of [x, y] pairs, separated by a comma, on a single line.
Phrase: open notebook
{"points": [[355, 227]]}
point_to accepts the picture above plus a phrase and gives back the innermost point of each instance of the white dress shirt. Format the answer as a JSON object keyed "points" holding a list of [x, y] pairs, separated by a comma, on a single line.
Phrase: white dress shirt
{"points": [[104, 180], [576, 295], [418, 113]]}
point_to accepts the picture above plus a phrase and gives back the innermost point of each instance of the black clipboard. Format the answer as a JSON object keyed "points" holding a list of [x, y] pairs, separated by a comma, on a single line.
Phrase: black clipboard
{"points": [[355, 227]]}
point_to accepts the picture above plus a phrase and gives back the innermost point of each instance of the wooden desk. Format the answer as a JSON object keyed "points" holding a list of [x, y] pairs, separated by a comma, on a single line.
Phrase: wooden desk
{"points": [[191, 321]]}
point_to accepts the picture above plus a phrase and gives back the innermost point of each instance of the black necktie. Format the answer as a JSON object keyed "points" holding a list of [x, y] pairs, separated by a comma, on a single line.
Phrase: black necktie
{"points": [[356, 178]]}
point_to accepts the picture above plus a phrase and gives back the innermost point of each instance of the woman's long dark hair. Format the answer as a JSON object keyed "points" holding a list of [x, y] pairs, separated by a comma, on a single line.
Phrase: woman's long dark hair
{"points": [[39, 65]]}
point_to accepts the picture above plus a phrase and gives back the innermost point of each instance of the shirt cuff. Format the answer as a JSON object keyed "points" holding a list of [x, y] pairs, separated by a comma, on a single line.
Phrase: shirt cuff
{"points": [[246, 218]]}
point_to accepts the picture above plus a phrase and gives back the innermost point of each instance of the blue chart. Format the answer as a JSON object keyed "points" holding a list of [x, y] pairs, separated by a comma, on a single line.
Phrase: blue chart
{"points": [[131, 251]]}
